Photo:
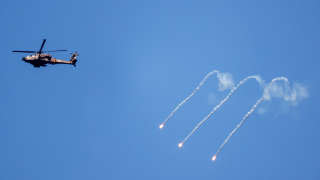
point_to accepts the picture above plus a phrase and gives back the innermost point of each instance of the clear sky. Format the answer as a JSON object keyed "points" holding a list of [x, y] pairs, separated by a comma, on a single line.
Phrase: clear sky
{"points": [[137, 60]]}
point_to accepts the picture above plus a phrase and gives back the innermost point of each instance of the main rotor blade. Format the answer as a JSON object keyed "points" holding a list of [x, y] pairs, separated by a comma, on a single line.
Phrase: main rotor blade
{"points": [[25, 51], [60, 50], [44, 41]]}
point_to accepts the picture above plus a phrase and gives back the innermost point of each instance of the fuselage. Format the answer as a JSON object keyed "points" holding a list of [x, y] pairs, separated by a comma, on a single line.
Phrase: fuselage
{"points": [[38, 59]]}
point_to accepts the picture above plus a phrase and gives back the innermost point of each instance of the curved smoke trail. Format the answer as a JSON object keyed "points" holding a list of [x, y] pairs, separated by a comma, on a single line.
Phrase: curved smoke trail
{"points": [[234, 89], [187, 98], [265, 96]]}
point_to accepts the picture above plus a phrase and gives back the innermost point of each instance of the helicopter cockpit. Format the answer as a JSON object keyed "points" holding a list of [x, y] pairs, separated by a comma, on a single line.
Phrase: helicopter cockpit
{"points": [[31, 57]]}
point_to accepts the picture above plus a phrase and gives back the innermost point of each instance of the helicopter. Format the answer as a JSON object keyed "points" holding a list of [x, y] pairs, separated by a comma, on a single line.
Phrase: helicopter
{"points": [[42, 58]]}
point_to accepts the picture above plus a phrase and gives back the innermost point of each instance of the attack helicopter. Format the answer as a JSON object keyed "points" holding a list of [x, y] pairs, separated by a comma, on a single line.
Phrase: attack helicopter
{"points": [[42, 58]]}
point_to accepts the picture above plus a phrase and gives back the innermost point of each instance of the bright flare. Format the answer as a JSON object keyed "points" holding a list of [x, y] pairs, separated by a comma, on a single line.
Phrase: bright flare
{"points": [[161, 126], [214, 158], [180, 145]]}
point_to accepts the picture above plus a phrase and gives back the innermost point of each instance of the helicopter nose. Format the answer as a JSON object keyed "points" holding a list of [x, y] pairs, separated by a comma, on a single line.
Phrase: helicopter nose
{"points": [[23, 58]]}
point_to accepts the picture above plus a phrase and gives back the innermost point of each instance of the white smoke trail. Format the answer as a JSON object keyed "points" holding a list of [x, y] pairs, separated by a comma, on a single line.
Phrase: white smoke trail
{"points": [[257, 78], [237, 127], [265, 96], [225, 82]]}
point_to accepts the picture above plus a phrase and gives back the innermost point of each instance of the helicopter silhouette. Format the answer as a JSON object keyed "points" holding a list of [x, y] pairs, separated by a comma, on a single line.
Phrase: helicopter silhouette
{"points": [[42, 58]]}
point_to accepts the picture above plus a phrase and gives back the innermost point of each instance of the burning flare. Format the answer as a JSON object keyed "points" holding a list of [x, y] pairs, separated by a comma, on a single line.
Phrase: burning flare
{"points": [[214, 158]]}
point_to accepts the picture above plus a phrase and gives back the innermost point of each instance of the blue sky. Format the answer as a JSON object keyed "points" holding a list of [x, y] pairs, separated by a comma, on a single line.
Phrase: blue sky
{"points": [[138, 59]]}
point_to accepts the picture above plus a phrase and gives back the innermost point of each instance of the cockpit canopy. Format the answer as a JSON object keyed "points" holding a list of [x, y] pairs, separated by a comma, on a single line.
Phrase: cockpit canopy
{"points": [[31, 57]]}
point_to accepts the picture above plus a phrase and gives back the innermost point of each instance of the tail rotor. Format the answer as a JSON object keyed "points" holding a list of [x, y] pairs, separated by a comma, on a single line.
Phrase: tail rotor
{"points": [[73, 58]]}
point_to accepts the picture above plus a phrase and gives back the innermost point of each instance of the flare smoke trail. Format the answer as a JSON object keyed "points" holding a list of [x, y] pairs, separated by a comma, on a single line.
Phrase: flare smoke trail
{"points": [[245, 117], [187, 98], [234, 89], [237, 127]]}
